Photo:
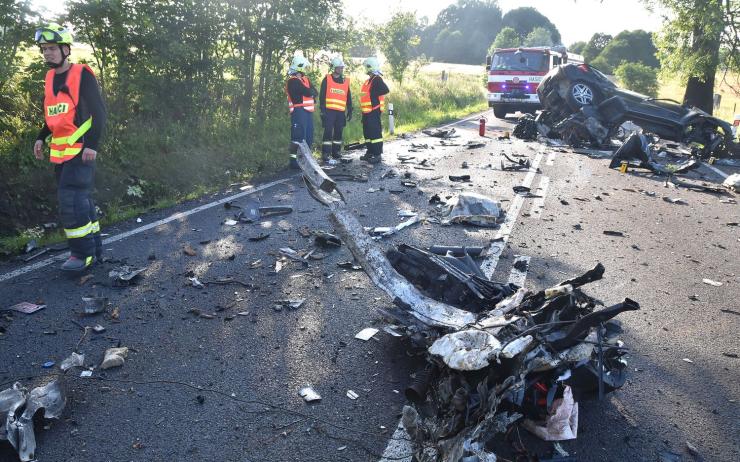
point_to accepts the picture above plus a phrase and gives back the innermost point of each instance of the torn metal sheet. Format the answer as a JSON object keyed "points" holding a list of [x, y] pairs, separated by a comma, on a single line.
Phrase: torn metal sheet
{"points": [[474, 209], [372, 258], [21, 407]]}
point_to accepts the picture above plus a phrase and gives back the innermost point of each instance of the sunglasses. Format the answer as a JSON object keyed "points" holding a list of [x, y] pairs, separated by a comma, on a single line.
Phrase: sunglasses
{"points": [[47, 36]]}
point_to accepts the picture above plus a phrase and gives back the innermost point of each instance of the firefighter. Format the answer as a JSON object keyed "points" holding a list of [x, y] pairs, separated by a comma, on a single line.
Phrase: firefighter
{"points": [[372, 96], [336, 110], [301, 96], [74, 117]]}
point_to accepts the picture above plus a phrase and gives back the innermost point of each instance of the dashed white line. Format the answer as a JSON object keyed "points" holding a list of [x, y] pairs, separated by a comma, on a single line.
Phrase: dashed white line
{"points": [[502, 237], [539, 203], [141, 229]]}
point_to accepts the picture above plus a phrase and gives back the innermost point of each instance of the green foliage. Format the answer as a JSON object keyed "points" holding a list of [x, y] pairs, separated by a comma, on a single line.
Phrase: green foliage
{"points": [[538, 37], [399, 39], [524, 20], [577, 47], [507, 38], [595, 46], [638, 77], [632, 46], [462, 32]]}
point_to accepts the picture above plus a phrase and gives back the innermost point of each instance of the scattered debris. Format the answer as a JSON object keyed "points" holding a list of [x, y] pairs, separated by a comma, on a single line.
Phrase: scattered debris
{"points": [[366, 333], [114, 357], [732, 182], [459, 178], [94, 305], [25, 307], [381, 232], [292, 304], [196, 283], [124, 275], [474, 209], [229, 222], [18, 408], [73, 360], [325, 239], [309, 395], [259, 237], [444, 133], [189, 250], [614, 233], [526, 128], [352, 395], [711, 282]]}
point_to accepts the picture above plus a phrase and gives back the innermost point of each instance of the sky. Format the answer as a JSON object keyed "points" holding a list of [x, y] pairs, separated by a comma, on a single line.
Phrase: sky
{"points": [[575, 19]]}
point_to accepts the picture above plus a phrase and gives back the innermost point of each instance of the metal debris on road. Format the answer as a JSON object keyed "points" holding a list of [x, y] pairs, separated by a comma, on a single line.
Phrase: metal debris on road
{"points": [[444, 133], [25, 307], [474, 209], [18, 407], [94, 305], [124, 275], [352, 395]]}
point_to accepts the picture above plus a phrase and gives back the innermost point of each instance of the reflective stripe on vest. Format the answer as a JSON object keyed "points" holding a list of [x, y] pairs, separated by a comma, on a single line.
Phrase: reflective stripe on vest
{"points": [[366, 104], [60, 111], [336, 93], [308, 102]]}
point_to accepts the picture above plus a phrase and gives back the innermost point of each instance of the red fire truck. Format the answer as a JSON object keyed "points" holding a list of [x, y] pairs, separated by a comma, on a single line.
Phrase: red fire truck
{"points": [[514, 73]]}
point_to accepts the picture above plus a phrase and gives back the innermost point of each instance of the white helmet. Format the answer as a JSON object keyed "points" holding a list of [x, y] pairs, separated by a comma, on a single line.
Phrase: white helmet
{"points": [[337, 62], [372, 65], [299, 64]]}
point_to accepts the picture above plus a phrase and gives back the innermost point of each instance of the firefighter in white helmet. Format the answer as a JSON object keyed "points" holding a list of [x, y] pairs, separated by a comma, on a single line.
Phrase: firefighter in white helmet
{"points": [[372, 101], [301, 95], [336, 110]]}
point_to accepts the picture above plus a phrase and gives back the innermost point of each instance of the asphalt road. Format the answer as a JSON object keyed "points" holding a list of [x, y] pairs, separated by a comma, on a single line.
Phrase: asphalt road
{"points": [[214, 373]]}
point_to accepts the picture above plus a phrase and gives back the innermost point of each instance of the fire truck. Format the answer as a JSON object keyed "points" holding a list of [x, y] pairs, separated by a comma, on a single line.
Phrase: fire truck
{"points": [[514, 73]]}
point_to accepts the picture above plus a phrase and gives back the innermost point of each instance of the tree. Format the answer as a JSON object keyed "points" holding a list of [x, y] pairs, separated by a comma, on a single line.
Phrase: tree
{"points": [[524, 20], [638, 77], [462, 32], [595, 46], [507, 38], [399, 38], [628, 46], [16, 31], [690, 40], [577, 47], [538, 37]]}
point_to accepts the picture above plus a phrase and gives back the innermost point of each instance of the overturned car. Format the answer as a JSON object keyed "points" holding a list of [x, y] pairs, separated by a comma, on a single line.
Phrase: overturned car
{"points": [[582, 106]]}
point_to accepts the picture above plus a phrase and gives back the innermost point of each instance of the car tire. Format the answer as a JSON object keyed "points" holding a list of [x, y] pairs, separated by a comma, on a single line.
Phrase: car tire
{"points": [[582, 94], [499, 112]]}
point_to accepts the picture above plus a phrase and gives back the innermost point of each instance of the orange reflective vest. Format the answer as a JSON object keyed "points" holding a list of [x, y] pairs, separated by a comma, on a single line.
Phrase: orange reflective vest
{"points": [[336, 93], [60, 111], [366, 104], [308, 103]]}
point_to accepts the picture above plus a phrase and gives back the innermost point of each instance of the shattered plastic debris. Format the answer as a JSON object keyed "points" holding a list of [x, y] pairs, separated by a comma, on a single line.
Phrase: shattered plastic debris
{"points": [[352, 395], [711, 282], [474, 209], [309, 395], [196, 283], [26, 307], [124, 275], [114, 357], [94, 305], [73, 360], [467, 350], [21, 406], [366, 334], [444, 133]]}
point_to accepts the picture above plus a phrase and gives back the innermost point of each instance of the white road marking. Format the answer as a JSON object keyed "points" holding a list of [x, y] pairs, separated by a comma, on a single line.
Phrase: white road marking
{"points": [[141, 229], [715, 170], [539, 204], [517, 276], [502, 237]]}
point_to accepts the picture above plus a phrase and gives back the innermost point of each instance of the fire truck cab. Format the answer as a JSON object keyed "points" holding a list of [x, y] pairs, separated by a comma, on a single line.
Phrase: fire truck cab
{"points": [[515, 73]]}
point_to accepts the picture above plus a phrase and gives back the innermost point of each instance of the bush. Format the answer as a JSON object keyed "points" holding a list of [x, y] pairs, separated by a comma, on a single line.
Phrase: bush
{"points": [[638, 77]]}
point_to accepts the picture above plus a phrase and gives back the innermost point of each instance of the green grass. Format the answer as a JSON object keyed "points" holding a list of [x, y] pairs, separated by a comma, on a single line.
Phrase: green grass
{"points": [[730, 102]]}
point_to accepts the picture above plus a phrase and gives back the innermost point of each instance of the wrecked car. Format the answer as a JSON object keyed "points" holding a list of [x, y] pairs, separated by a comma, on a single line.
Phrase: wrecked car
{"points": [[581, 104]]}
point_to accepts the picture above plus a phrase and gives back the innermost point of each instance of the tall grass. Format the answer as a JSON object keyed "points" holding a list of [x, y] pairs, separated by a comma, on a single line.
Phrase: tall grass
{"points": [[729, 105]]}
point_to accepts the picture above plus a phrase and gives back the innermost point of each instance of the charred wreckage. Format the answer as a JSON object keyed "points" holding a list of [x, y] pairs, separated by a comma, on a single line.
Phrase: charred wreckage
{"points": [[498, 357], [583, 107]]}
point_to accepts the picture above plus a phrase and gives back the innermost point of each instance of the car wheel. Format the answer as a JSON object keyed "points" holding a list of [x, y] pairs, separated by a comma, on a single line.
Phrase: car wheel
{"points": [[581, 94], [499, 112]]}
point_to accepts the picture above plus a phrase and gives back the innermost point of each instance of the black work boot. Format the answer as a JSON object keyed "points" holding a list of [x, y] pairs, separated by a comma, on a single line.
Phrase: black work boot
{"points": [[77, 265]]}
